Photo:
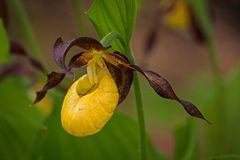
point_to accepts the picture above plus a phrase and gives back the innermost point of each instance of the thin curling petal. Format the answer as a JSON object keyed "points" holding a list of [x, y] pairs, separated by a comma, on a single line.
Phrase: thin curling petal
{"points": [[54, 79], [87, 107], [157, 82], [61, 48], [163, 88]]}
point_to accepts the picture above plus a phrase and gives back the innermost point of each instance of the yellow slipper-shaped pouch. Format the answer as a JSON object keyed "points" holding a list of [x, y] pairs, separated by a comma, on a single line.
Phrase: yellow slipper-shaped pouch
{"points": [[87, 107]]}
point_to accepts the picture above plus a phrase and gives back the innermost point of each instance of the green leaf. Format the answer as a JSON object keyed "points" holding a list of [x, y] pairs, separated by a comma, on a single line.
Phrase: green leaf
{"points": [[114, 16], [18, 121], [4, 44], [186, 142], [118, 140]]}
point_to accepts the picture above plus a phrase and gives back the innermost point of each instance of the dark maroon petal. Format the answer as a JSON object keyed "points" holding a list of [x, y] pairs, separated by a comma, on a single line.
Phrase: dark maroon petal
{"points": [[118, 66], [17, 49], [164, 89], [54, 79], [4, 13], [61, 48], [160, 85], [123, 78], [192, 110], [117, 59], [79, 60]]}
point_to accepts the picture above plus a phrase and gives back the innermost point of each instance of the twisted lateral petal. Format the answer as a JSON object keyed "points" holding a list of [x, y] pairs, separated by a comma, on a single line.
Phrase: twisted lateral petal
{"points": [[86, 107], [161, 86], [54, 79]]}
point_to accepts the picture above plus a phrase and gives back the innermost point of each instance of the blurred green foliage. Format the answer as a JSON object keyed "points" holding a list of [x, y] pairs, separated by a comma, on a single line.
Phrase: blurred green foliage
{"points": [[19, 120], [4, 49]]}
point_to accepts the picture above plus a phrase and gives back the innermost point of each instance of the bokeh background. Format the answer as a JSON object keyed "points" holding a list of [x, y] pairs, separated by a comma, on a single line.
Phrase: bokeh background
{"points": [[176, 52]]}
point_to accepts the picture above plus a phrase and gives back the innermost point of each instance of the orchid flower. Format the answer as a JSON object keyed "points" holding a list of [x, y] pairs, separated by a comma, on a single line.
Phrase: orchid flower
{"points": [[92, 99]]}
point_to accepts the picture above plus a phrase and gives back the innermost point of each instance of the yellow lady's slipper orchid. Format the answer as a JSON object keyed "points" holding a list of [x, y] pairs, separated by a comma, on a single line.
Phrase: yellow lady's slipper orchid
{"points": [[88, 106], [92, 99]]}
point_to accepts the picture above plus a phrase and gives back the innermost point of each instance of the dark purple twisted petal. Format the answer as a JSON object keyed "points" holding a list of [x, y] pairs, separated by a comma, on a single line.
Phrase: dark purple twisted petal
{"points": [[53, 79], [163, 88]]}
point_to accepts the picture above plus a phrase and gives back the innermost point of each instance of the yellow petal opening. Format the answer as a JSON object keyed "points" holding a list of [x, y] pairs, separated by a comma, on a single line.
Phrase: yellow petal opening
{"points": [[87, 107]]}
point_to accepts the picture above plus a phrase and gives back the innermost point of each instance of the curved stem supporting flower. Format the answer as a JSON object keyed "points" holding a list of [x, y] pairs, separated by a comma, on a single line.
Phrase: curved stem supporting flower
{"points": [[138, 96], [140, 112]]}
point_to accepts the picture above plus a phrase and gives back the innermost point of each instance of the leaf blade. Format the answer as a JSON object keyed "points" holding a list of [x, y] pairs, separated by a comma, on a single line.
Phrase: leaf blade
{"points": [[114, 16]]}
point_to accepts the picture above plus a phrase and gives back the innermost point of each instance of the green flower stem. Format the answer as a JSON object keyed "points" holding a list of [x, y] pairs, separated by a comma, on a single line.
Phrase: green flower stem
{"points": [[138, 96], [17, 7], [140, 112]]}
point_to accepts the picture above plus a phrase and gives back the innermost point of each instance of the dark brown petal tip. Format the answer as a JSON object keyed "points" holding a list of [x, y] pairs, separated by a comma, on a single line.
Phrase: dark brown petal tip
{"points": [[17, 49], [123, 78], [61, 48], [164, 89], [54, 79], [193, 110]]}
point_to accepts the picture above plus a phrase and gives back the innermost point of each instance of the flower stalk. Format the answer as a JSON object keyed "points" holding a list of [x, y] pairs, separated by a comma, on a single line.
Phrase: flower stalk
{"points": [[138, 96], [140, 111]]}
